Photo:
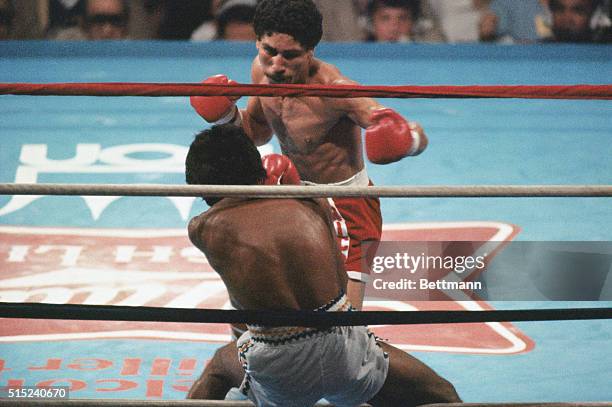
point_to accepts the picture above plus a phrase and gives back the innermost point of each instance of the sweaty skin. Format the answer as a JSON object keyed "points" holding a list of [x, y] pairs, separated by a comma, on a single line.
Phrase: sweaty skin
{"points": [[286, 257], [278, 251], [322, 136]]}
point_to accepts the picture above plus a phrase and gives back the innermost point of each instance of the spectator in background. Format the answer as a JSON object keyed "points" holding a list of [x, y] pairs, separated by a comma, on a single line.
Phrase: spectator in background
{"points": [[7, 15], [602, 22], [571, 20], [106, 19], [181, 18], [233, 22], [63, 17], [341, 20], [460, 20], [392, 20], [101, 20], [145, 18], [400, 21], [511, 21]]}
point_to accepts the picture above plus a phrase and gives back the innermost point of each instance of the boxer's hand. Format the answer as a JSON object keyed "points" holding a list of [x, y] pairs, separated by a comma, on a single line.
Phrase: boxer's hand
{"points": [[280, 170], [216, 109], [391, 138]]}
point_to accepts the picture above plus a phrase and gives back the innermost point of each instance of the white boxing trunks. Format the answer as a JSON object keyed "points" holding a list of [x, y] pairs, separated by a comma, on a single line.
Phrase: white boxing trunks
{"points": [[297, 366]]}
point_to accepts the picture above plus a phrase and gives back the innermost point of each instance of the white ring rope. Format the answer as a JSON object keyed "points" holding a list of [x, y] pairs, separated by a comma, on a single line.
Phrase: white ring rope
{"points": [[285, 191]]}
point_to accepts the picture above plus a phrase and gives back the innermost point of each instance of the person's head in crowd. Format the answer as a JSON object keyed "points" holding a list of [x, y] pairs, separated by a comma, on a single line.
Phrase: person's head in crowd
{"points": [[392, 20], [106, 19], [7, 14], [571, 20], [235, 20], [180, 18]]}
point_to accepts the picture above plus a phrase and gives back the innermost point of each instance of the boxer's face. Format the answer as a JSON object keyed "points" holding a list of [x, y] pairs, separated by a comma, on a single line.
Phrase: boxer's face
{"points": [[283, 59]]}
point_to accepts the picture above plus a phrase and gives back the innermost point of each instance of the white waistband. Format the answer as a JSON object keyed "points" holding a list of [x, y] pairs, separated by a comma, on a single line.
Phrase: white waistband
{"points": [[360, 179]]}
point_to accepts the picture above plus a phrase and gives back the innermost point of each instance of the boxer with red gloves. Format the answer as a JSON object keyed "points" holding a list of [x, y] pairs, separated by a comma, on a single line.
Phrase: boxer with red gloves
{"points": [[280, 170], [217, 109], [392, 138], [320, 135], [280, 254]]}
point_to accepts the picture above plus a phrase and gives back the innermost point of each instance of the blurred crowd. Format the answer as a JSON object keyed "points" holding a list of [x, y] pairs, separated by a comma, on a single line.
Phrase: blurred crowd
{"points": [[452, 21]]}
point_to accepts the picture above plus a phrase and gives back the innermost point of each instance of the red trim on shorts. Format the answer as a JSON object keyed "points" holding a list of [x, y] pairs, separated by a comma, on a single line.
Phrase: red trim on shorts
{"points": [[363, 221]]}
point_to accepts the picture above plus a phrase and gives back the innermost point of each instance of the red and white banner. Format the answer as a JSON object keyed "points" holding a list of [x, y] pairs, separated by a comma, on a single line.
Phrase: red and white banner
{"points": [[160, 267]]}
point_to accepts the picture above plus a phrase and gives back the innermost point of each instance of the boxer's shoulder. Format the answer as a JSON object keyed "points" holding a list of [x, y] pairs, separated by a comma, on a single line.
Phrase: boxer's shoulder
{"points": [[257, 73], [327, 74]]}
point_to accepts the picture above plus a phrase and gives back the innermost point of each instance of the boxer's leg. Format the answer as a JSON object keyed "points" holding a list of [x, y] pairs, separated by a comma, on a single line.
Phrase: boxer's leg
{"points": [[410, 382], [220, 374]]}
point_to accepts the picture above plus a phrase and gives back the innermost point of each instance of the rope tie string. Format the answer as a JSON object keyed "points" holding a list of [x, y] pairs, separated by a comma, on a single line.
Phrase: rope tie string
{"points": [[585, 92]]}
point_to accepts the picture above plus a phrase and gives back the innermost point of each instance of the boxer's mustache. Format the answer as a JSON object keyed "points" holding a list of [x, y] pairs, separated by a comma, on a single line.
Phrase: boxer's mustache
{"points": [[278, 78]]}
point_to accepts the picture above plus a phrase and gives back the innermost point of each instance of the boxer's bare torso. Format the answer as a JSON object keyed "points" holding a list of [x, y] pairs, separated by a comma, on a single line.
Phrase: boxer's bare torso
{"points": [[321, 135], [270, 253]]}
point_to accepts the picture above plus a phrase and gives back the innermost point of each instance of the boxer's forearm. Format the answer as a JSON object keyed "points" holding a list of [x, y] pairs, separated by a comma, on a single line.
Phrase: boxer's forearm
{"points": [[257, 131]]}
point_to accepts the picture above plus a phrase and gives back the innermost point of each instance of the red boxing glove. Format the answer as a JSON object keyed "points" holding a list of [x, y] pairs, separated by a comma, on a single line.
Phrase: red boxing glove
{"points": [[390, 138], [216, 109], [280, 170]]}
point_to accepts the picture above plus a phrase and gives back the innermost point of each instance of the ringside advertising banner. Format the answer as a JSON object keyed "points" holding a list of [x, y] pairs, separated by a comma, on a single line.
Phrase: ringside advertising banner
{"points": [[160, 267]]}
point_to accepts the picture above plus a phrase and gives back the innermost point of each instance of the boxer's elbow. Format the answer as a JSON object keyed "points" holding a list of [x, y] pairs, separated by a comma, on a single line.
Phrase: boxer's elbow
{"points": [[259, 132], [259, 139]]}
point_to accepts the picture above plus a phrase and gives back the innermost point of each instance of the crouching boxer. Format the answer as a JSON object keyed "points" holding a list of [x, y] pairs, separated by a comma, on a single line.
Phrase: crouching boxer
{"points": [[286, 257]]}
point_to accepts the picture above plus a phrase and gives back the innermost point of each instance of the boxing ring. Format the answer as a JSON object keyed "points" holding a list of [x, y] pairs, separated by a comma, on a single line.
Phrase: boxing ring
{"points": [[129, 140]]}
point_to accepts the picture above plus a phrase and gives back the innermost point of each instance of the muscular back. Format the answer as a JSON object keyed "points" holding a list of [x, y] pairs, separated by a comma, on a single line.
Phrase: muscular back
{"points": [[271, 254]]}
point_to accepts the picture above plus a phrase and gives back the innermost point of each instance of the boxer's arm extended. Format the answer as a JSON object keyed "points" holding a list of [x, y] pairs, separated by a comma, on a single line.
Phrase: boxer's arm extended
{"points": [[254, 122], [222, 110], [389, 137], [217, 109]]}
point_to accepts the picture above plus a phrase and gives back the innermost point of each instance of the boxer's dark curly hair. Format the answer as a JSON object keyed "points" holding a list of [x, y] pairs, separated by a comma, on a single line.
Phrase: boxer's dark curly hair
{"points": [[223, 155], [299, 18]]}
